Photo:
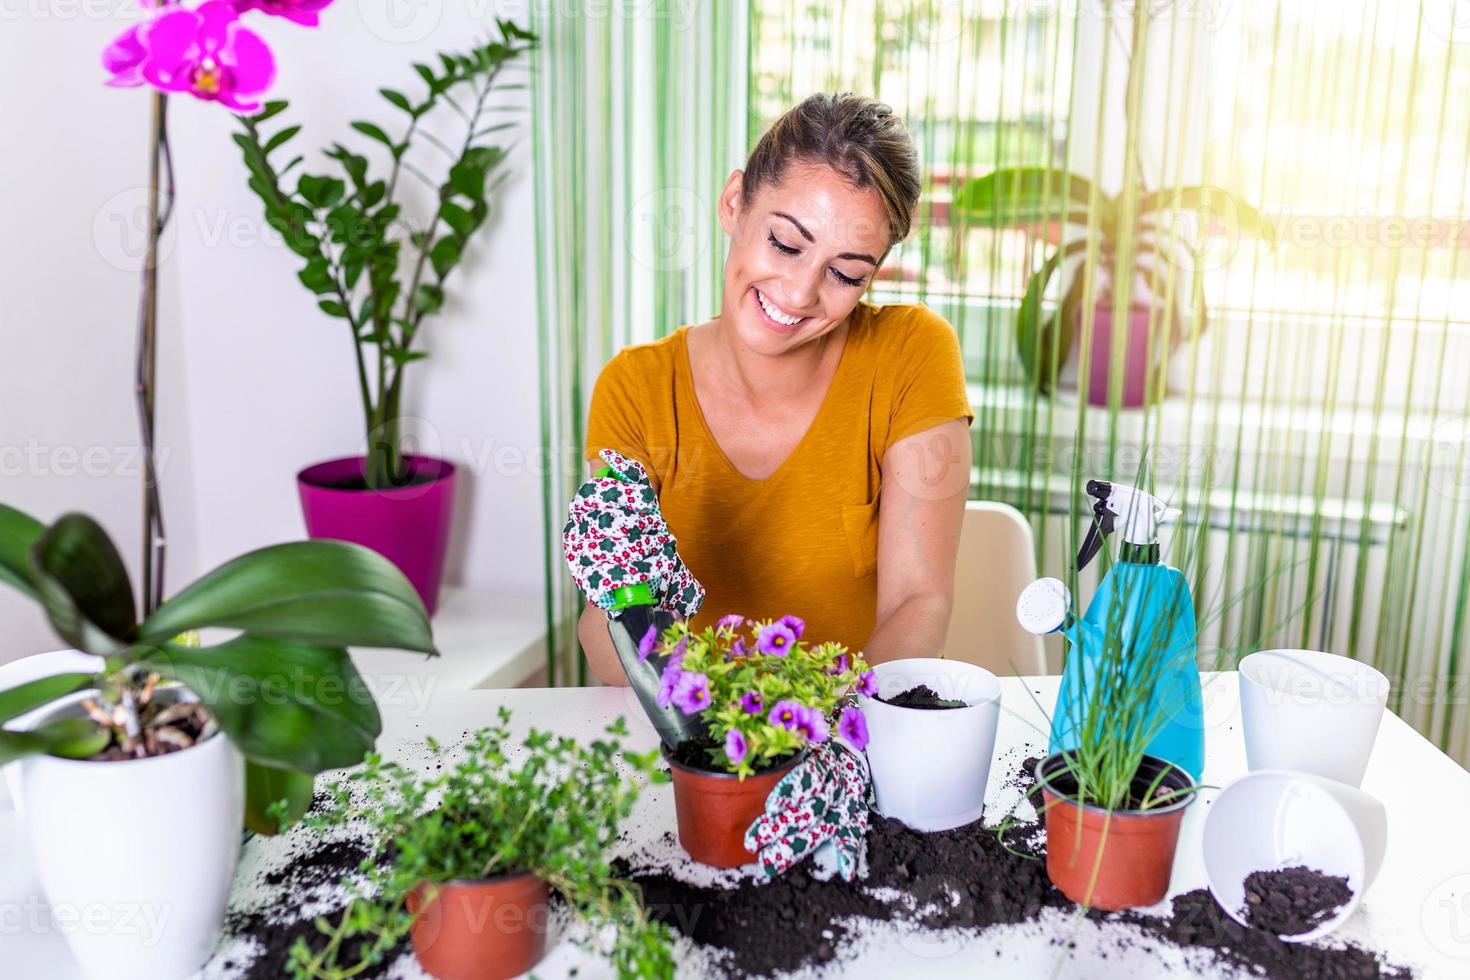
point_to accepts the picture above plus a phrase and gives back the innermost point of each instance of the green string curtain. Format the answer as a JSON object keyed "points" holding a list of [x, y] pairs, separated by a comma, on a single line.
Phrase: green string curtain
{"points": [[1307, 394], [640, 117], [1306, 391]]}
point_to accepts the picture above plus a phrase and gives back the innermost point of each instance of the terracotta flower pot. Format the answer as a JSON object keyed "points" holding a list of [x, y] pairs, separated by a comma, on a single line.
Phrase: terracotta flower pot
{"points": [[481, 930], [715, 809], [1131, 852]]}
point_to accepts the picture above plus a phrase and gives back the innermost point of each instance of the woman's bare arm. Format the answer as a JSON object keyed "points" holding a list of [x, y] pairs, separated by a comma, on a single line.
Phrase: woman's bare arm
{"points": [[597, 642], [926, 478]]}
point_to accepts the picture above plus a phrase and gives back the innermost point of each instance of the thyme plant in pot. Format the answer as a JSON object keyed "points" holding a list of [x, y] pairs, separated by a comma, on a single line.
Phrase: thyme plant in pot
{"points": [[382, 274], [763, 697], [154, 735], [463, 862]]}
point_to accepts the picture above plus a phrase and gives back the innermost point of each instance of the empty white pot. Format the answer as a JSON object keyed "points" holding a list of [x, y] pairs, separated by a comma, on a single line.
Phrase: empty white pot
{"points": [[1310, 712], [1268, 820], [930, 767], [136, 858]]}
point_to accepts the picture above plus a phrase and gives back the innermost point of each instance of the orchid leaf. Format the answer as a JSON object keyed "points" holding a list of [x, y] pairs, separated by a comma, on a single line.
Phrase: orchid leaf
{"points": [[287, 705], [1026, 195], [84, 586], [38, 693], [317, 592], [18, 534], [67, 738]]}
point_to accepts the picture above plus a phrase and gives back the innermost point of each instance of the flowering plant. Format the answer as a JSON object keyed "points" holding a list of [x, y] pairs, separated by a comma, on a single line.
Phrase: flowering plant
{"points": [[762, 693]]}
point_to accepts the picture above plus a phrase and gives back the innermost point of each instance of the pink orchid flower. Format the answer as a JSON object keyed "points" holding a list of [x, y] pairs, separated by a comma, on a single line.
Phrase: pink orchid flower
{"points": [[205, 53], [302, 12]]}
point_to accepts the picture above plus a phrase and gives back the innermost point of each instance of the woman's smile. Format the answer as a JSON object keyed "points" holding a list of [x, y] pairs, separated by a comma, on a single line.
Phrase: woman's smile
{"points": [[773, 315]]}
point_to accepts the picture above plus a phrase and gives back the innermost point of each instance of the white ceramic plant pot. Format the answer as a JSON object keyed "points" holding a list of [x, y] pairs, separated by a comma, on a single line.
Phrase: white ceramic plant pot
{"points": [[1311, 712], [930, 767], [1268, 820], [136, 858]]}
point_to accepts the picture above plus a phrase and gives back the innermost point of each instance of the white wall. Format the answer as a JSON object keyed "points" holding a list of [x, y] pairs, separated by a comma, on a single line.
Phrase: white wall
{"points": [[256, 382]]}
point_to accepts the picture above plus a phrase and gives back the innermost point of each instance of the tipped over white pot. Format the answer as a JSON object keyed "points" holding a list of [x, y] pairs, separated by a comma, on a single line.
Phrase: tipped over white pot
{"points": [[136, 858], [930, 766]]}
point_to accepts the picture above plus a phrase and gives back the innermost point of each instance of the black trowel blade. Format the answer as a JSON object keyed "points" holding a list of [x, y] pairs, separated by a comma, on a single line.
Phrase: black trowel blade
{"points": [[627, 628]]}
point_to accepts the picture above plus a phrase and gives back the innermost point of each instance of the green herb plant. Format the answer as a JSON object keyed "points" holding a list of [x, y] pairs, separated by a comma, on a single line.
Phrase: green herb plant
{"points": [[555, 814], [368, 263]]}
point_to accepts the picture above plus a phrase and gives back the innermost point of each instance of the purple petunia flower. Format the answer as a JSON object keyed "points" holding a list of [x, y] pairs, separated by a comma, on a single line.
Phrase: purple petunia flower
{"points": [[794, 624], [691, 694], [752, 702], [645, 645], [677, 654], [735, 746], [738, 650], [731, 622], [853, 727], [776, 639], [205, 53], [812, 725], [668, 682], [840, 665], [867, 684], [303, 12], [786, 714]]}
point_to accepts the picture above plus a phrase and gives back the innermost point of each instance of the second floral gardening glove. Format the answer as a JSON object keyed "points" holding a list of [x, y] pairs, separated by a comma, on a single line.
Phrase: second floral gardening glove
{"points": [[616, 536], [823, 801]]}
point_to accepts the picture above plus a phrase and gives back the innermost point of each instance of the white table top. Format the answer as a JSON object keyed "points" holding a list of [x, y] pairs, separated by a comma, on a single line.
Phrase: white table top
{"points": [[1417, 912]]}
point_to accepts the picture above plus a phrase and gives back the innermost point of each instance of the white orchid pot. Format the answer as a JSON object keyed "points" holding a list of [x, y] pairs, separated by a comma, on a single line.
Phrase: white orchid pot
{"points": [[136, 858], [930, 767]]}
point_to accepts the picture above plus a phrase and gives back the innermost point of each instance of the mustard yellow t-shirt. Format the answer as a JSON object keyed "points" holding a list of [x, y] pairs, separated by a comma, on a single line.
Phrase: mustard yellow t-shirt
{"points": [[803, 541]]}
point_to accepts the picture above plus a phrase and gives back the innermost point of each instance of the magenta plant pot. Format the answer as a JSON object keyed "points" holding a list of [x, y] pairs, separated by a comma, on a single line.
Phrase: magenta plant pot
{"points": [[1137, 359], [408, 525]]}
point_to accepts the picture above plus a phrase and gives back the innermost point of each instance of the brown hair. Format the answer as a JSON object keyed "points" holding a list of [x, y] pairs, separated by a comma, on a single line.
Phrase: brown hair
{"points": [[860, 138]]}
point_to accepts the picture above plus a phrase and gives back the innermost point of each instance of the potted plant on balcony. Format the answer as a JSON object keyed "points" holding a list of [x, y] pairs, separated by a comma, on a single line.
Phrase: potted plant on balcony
{"points": [[763, 697], [463, 862], [130, 779], [383, 274]]}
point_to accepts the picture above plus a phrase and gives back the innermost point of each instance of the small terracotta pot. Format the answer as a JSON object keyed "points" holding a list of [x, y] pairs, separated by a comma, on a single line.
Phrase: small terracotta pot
{"points": [[1137, 846], [715, 809], [481, 930]]}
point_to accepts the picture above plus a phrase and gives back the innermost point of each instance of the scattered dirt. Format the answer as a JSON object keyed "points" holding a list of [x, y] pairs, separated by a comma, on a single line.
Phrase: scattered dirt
{"points": [[924, 698], [1291, 901]]}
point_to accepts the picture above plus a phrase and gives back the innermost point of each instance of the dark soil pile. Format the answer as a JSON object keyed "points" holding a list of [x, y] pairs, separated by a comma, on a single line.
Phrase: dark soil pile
{"points": [[1197, 922], [962, 878], [924, 698], [1291, 901], [275, 934]]}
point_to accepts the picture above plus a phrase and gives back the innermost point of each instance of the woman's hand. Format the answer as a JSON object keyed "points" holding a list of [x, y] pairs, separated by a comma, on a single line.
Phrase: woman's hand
{"points": [[926, 479]]}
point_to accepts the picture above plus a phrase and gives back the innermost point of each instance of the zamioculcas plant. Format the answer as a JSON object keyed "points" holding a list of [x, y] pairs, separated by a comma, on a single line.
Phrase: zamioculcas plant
{"points": [[283, 689], [370, 264], [1157, 246]]}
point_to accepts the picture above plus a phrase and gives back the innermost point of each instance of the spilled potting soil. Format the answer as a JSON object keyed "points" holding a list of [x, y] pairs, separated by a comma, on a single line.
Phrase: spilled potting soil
{"points": [[924, 698], [952, 883], [1291, 901]]}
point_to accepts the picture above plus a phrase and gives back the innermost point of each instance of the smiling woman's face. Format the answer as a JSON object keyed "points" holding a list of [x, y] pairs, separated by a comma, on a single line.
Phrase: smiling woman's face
{"points": [[801, 255]]}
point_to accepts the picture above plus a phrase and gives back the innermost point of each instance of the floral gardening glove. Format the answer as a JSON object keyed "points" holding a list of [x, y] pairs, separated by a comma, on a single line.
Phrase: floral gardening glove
{"points": [[823, 801], [616, 536]]}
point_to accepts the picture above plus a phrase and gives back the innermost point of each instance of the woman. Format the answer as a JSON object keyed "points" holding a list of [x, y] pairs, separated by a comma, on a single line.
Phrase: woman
{"points": [[810, 451]]}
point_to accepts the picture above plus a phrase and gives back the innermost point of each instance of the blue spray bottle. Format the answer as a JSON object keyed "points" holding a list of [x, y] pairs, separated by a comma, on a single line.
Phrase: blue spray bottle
{"points": [[1149, 605]]}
